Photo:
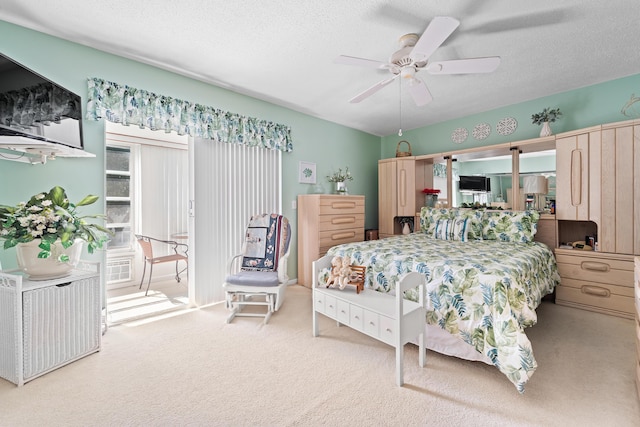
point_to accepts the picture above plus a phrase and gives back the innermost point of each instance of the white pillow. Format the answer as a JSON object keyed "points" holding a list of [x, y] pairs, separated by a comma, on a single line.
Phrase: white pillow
{"points": [[452, 229]]}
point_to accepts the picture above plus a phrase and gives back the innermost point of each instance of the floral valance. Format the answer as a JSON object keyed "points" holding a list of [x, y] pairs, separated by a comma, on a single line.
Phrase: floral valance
{"points": [[131, 106], [42, 103]]}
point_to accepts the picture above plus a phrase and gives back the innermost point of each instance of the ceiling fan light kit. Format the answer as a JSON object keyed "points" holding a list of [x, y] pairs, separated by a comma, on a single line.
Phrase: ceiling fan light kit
{"points": [[413, 57]]}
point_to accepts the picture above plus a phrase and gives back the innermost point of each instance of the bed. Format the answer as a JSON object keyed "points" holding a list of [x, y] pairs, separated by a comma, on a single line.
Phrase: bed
{"points": [[485, 277]]}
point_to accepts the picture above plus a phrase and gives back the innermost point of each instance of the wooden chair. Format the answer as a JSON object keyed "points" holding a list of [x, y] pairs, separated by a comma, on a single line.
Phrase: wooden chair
{"points": [[180, 254]]}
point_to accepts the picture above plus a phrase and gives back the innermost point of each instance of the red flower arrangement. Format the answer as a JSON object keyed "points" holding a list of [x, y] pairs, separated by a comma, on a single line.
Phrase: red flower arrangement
{"points": [[431, 191]]}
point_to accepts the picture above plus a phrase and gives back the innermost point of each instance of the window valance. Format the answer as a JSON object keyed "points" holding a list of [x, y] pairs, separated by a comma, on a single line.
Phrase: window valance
{"points": [[130, 106]]}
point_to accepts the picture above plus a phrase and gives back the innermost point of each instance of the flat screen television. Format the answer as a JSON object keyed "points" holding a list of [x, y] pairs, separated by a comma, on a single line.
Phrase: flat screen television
{"points": [[32, 106], [474, 183]]}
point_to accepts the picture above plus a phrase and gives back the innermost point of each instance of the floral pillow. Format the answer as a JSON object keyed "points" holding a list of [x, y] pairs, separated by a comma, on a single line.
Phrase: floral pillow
{"points": [[474, 225], [430, 216], [452, 229], [510, 226]]}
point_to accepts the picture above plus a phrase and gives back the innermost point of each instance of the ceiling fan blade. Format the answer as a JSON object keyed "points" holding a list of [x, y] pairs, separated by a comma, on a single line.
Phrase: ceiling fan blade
{"points": [[373, 89], [464, 66], [439, 29], [419, 92], [352, 60]]}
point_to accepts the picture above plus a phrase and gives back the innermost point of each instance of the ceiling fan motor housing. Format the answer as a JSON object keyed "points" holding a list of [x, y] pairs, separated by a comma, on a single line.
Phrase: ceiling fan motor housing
{"points": [[402, 57]]}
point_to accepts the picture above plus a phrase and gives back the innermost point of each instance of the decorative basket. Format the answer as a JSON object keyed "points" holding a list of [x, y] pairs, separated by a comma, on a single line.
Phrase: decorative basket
{"points": [[403, 153]]}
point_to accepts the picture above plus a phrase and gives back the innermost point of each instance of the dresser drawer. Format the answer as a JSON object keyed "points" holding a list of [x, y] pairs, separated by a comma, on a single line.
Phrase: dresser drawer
{"points": [[338, 237], [341, 222], [340, 205], [615, 272]]}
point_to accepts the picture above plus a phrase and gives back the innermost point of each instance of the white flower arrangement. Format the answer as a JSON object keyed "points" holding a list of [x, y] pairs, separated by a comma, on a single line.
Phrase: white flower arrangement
{"points": [[340, 176], [49, 217]]}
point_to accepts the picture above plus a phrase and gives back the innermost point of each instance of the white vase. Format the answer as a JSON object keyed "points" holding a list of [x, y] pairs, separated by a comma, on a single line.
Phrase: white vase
{"points": [[47, 268], [341, 187], [546, 129], [405, 228]]}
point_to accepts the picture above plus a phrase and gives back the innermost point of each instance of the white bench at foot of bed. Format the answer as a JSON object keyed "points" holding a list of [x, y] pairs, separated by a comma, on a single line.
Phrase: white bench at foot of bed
{"points": [[388, 318]]}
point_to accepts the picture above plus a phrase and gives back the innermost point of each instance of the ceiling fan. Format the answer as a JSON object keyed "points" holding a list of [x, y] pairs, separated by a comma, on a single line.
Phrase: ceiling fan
{"points": [[413, 57]]}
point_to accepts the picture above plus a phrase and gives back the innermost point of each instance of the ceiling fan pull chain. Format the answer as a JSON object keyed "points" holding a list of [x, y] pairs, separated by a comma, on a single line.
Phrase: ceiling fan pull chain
{"points": [[400, 98]]}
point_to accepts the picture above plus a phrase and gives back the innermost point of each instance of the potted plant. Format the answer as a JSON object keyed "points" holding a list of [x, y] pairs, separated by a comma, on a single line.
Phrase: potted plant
{"points": [[430, 197], [340, 178], [545, 117], [48, 227]]}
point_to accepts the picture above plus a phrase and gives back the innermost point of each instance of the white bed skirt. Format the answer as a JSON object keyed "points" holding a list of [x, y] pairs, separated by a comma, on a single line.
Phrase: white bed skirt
{"points": [[440, 341]]}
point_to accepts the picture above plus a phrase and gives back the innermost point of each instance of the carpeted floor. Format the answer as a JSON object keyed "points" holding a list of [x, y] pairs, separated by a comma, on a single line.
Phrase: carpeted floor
{"points": [[192, 369]]}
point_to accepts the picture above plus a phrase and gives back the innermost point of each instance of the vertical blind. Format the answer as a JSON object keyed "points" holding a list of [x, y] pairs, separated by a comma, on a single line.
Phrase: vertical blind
{"points": [[232, 182]]}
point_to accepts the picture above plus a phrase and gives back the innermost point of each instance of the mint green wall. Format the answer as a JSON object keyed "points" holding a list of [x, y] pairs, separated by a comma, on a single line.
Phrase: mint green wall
{"points": [[69, 64], [329, 145], [581, 108]]}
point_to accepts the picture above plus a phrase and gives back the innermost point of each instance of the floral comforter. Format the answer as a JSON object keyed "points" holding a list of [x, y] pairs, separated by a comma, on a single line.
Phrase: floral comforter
{"points": [[487, 294]]}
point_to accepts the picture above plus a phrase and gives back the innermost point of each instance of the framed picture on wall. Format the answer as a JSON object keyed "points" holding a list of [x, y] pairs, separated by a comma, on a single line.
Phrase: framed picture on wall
{"points": [[306, 173]]}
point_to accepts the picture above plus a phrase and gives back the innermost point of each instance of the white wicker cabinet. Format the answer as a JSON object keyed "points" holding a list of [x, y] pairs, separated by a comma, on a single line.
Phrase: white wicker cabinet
{"points": [[47, 324]]}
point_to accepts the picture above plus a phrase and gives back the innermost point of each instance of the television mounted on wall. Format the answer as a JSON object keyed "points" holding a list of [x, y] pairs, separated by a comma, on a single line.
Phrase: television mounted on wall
{"points": [[36, 111], [474, 183]]}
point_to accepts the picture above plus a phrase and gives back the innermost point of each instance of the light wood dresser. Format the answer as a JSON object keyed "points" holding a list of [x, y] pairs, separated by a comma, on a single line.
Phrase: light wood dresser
{"points": [[637, 309], [326, 220], [596, 281]]}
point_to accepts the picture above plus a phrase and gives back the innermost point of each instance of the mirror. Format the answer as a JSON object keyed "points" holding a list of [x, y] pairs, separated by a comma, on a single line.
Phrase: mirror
{"points": [[498, 168]]}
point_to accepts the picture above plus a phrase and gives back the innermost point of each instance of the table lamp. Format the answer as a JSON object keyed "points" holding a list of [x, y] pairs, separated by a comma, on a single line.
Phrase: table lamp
{"points": [[535, 184]]}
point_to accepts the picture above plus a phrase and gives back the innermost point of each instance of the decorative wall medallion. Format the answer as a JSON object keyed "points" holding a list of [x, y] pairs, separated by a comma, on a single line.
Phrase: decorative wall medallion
{"points": [[459, 135], [507, 126], [481, 131]]}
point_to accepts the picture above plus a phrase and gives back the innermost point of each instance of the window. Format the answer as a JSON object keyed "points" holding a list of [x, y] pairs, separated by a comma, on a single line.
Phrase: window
{"points": [[118, 196]]}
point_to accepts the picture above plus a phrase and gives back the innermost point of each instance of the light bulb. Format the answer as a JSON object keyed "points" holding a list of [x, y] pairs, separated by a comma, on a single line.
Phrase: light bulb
{"points": [[400, 132]]}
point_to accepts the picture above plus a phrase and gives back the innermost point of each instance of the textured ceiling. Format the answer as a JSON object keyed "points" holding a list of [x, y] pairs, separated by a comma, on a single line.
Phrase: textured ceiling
{"points": [[283, 51]]}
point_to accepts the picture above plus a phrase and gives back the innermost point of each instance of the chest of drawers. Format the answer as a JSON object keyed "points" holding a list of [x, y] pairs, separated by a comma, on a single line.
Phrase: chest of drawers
{"points": [[326, 220], [596, 281]]}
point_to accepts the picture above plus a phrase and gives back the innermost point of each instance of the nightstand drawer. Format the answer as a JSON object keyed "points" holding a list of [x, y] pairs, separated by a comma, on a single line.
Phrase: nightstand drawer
{"points": [[596, 295], [615, 272]]}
